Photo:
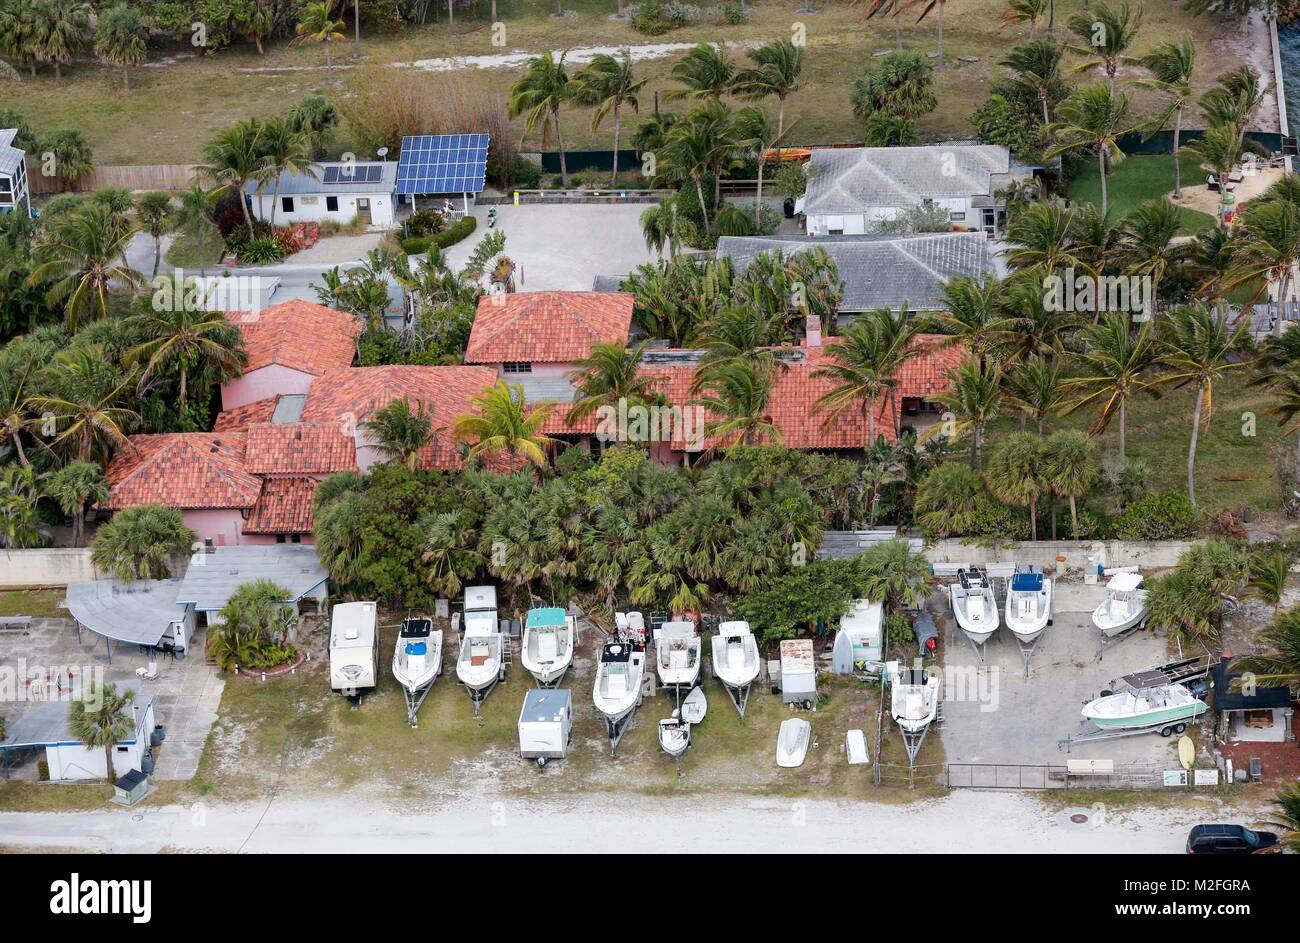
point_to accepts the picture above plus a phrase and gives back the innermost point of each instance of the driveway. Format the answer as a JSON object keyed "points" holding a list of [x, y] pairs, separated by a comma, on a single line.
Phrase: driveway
{"points": [[563, 247]]}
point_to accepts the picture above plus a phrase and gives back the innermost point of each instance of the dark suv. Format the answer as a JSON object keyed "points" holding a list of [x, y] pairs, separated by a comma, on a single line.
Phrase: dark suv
{"points": [[1227, 840]]}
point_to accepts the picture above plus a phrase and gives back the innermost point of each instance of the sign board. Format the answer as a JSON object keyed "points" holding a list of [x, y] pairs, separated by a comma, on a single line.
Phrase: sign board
{"points": [[1090, 767], [1175, 777], [1205, 777]]}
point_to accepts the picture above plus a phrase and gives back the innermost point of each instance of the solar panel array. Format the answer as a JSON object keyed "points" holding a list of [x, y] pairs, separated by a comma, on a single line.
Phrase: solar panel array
{"points": [[351, 173], [442, 163]]}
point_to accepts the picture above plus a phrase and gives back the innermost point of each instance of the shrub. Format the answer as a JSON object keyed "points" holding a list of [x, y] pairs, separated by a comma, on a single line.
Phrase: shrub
{"points": [[525, 175], [1013, 123], [1166, 515], [655, 17], [898, 631], [448, 237], [264, 250], [728, 14], [423, 223], [117, 199]]}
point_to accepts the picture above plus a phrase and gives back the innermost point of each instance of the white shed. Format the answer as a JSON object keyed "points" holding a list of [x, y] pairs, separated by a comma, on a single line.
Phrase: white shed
{"points": [[341, 191], [798, 672], [859, 642], [546, 724]]}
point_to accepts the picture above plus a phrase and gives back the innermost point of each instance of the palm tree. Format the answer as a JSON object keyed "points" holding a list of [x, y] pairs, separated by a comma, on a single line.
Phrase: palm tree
{"points": [[1115, 365], [776, 72], [156, 216], [974, 398], [1279, 663], [1268, 576], [84, 390], [1198, 346], [609, 84], [18, 30], [504, 423], [865, 365], [1146, 241], [1267, 250], [1018, 474], [81, 254], [195, 213], [538, 95], [356, 28], [1041, 237], [1288, 815], [1284, 385], [893, 7], [755, 132], [1235, 98], [1036, 68], [739, 395], [974, 316], [659, 227], [1035, 389], [901, 84], [137, 543], [690, 151], [340, 536], [103, 722], [73, 486], [20, 492], [188, 339], [399, 433], [1071, 470], [1092, 117], [705, 72], [1218, 149], [1171, 66], [316, 24], [122, 38], [1106, 33], [233, 158], [949, 499], [15, 417], [610, 373], [283, 151], [60, 31], [1027, 11], [926, 7]]}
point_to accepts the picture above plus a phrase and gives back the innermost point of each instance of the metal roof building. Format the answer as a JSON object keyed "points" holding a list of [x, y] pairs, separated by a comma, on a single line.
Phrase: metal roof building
{"points": [[46, 727], [143, 612], [215, 574]]}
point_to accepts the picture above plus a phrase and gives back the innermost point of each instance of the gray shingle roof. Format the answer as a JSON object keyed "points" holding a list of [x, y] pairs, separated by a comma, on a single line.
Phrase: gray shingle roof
{"points": [[852, 179], [292, 184], [881, 271], [10, 156]]}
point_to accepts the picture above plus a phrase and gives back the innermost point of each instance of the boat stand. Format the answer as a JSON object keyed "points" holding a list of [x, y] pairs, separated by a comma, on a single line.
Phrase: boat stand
{"points": [[912, 742], [413, 702], [1027, 649], [739, 696], [478, 697]]}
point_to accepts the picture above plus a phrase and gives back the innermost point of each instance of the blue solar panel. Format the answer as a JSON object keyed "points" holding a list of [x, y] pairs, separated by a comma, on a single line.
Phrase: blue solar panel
{"points": [[442, 163]]}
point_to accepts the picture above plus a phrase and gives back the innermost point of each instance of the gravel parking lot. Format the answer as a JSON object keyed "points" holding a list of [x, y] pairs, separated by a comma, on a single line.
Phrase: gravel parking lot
{"points": [[1014, 719]]}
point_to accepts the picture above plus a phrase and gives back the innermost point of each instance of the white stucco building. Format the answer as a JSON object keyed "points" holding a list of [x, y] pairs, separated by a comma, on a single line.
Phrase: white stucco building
{"points": [[851, 190], [341, 191], [45, 728]]}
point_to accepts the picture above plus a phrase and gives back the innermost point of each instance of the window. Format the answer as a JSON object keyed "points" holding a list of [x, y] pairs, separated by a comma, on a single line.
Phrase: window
{"points": [[957, 217], [516, 368], [286, 204], [331, 204]]}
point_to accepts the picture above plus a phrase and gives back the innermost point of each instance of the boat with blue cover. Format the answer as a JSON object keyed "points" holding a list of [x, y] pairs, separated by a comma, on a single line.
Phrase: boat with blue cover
{"points": [[1029, 603]]}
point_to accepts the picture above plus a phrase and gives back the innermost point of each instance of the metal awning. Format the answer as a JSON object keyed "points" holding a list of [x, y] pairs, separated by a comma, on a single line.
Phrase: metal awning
{"points": [[140, 612], [214, 575], [46, 724]]}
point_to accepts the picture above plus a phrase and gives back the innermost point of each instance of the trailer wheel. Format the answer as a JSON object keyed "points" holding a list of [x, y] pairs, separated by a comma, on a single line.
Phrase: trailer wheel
{"points": [[541, 762], [1179, 728], [1166, 731]]}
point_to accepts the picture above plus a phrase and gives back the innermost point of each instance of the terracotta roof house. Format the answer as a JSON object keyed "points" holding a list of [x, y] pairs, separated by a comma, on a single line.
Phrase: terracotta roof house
{"points": [[288, 346]]}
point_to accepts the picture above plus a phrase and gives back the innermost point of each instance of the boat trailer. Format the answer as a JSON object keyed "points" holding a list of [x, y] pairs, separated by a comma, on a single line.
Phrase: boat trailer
{"points": [[912, 740], [739, 695], [414, 701], [1090, 733]]}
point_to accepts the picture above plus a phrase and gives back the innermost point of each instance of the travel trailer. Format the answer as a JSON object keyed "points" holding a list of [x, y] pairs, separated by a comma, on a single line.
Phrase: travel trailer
{"points": [[354, 647], [798, 672], [546, 724], [859, 644]]}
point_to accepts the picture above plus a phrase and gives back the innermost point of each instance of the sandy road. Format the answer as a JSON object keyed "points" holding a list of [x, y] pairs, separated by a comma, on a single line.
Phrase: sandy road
{"points": [[962, 822]]}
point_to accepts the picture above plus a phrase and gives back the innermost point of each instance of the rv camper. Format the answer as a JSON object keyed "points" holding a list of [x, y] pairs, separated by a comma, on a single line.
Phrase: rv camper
{"points": [[545, 724], [858, 644], [798, 672], [354, 647]]}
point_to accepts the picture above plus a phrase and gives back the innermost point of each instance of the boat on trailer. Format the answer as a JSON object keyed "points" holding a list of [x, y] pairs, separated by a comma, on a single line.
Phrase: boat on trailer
{"points": [[617, 690], [1029, 603], [913, 704], [481, 663], [674, 735], [1168, 708], [677, 654], [736, 661], [549, 638], [417, 661], [974, 605], [1125, 606]]}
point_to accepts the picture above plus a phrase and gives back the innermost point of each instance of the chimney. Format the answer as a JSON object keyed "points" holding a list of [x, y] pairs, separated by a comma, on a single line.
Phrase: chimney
{"points": [[812, 331]]}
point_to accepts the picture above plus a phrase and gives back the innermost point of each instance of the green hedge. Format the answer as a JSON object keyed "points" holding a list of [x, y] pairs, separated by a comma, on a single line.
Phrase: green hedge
{"points": [[448, 237]]}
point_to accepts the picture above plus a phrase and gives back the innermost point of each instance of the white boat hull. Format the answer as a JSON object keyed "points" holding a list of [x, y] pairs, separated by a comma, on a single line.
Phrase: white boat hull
{"points": [[914, 706], [545, 663], [479, 665], [616, 703], [1029, 628], [735, 660], [1104, 619], [792, 743], [977, 628], [415, 674], [674, 736]]}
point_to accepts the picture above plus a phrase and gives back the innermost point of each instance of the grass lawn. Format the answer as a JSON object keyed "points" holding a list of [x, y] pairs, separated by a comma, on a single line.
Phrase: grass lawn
{"points": [[181, 98], [1233, 467], [184, 250], [1137, 179], [39, 603]]}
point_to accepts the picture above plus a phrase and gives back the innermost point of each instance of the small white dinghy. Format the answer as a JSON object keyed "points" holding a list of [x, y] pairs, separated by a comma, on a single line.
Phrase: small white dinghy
{"points": [[1029, 603], [695, 706], [974, 605], [792, 743], [674, 735]]}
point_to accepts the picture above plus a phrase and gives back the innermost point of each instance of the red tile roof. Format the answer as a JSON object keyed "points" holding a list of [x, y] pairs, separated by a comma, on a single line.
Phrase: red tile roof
{"points": [[299, 335], [346, 398], [187, 470], [299, 448], [284, 507], [547, 326], [241, 417]]}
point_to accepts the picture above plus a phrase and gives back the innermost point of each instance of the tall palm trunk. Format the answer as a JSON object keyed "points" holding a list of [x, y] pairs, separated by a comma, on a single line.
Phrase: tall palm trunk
{"points": [[758, 200], [184, 389], [613, 177], [157, 254], [1191, 449], [941, 6], [780, 116], [699, 191], [356, 28], [79, 524], [1123, 428], [1101, 172], [898, 31], [559, 142], [126, 80], [1178, 169], [243, 201], [1074, 515]]}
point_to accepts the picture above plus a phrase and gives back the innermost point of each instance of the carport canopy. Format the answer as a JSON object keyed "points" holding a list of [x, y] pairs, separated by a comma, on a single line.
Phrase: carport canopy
{"points": [[214, 575], [139, 613]]}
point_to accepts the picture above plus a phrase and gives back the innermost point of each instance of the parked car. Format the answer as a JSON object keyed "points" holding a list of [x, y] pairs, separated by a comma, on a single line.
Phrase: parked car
{"points": [[1227, 840]]}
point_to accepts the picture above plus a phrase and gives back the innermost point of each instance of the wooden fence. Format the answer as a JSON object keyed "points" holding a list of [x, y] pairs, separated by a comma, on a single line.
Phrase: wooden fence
{"points": [[134, 177]]}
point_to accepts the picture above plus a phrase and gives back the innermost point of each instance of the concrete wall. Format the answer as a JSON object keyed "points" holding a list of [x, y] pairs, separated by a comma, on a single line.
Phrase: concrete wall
{"points": [[1147, 555], [48, 567], [273, 380]]}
